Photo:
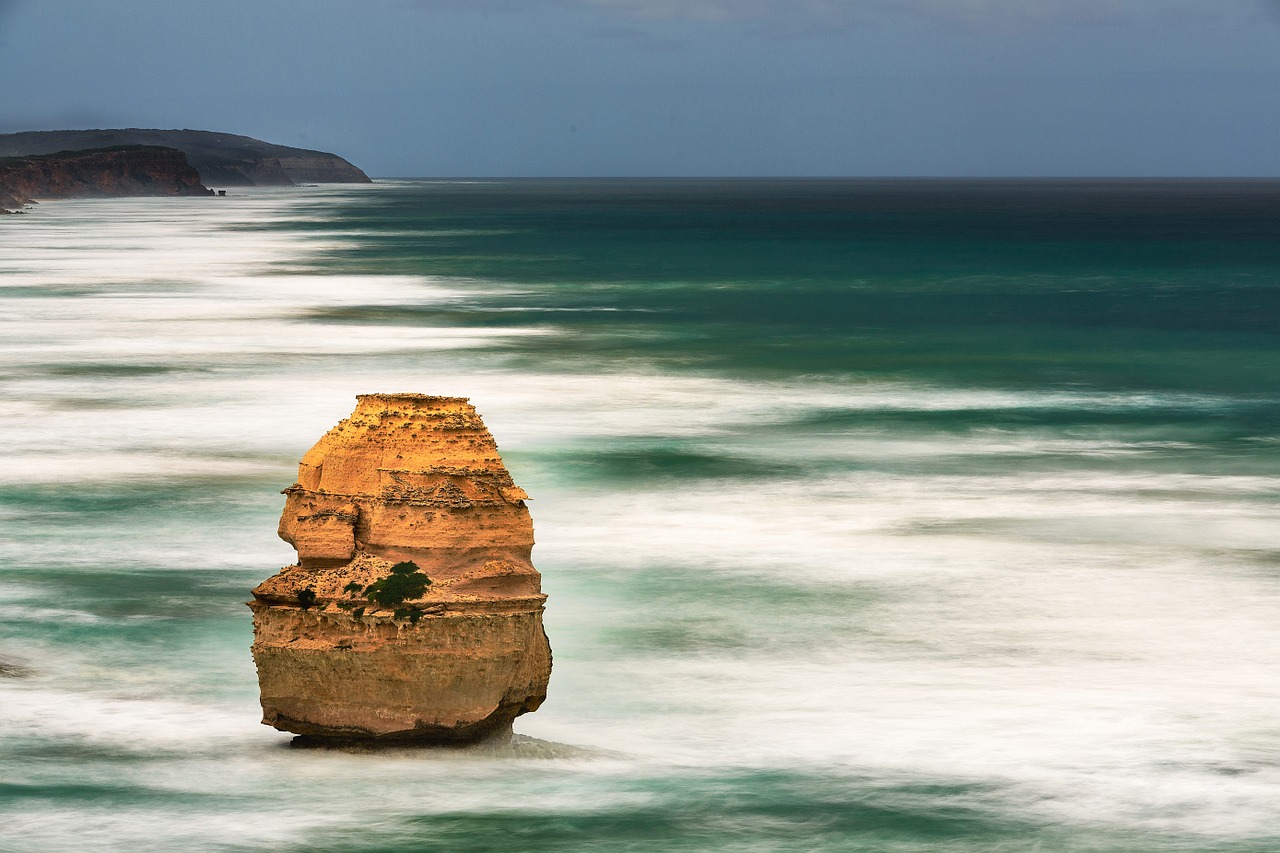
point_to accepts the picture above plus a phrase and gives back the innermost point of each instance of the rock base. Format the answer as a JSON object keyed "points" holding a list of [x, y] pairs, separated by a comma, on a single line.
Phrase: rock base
{"points": [[449, 678]]}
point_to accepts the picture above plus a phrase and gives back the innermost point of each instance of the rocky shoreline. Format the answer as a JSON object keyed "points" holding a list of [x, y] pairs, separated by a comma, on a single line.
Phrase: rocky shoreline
{"points": [[129, 170], [56, 164], [222, 159]]}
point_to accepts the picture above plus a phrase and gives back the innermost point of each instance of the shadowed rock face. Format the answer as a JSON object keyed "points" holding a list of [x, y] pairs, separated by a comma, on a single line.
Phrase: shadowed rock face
{"points": [[132, 170], [222, 159], [414, 611]]}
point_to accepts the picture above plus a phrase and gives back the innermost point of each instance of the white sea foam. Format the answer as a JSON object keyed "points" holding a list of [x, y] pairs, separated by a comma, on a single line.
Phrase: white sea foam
{"points": [[1109, 681], [1096, 633], [120, 723]]}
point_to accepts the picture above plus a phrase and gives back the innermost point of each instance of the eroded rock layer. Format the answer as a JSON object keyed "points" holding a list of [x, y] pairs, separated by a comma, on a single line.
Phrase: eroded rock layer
{"points": [[414, 610], [137, 170], [222, 159]]}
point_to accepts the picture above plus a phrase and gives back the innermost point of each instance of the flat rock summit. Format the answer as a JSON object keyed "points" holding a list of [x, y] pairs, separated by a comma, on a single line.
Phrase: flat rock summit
{"points": [[414, 612]]}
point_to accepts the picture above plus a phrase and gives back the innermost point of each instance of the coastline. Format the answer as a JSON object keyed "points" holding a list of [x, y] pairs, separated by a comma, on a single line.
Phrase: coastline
{"points": [[105, 172]]}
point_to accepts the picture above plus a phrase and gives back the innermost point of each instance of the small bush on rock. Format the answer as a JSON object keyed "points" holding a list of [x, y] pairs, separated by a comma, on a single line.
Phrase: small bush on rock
{"points": [[404, 583], [413, 614]]}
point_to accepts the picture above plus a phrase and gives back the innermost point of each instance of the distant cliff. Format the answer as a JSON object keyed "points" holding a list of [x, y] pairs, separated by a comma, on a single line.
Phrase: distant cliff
{"points": [[120, 171], [222, 159]]}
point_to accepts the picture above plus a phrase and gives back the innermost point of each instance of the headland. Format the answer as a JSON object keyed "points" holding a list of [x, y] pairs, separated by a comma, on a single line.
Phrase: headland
{"points": [[53, 164]]}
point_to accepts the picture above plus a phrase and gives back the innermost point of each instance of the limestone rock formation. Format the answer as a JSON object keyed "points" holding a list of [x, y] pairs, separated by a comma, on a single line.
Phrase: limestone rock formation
{"points": [[414, 611], [130, 170], [222, 159]]}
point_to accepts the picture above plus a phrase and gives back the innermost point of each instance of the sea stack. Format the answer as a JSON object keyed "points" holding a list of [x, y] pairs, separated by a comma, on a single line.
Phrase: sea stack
{"points": [[414, 612]]}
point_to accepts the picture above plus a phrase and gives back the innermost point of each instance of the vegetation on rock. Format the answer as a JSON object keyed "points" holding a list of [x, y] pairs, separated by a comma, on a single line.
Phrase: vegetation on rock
{"points": [[403, 584], [413, 614]]}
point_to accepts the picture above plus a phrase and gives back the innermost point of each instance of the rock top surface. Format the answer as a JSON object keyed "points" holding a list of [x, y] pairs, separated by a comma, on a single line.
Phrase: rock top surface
{"points": [[414, 611]]}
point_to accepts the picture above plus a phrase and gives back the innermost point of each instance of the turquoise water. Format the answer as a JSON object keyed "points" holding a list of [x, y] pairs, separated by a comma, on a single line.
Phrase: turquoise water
{"points": [[895, 516]]}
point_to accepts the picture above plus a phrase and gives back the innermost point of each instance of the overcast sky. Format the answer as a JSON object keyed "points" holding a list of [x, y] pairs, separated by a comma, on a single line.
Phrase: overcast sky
{"points": [[673, 87]]}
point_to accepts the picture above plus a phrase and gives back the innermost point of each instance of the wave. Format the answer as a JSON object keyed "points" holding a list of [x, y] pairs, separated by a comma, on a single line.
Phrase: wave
{"points": [[883, 608]]}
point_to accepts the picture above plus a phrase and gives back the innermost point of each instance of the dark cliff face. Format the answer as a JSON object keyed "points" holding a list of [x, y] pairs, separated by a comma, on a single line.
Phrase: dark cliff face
{"points": [[123, 171], [222, 159]]}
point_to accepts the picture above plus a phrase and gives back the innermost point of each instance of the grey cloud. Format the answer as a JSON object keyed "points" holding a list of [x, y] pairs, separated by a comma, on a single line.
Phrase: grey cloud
{"points": [[693, 10], [6, 6], [641, 38], [740, 10], [801, 16], [983, 13]]}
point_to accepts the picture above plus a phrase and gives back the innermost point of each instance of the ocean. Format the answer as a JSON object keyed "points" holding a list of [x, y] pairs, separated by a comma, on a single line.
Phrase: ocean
{"points": [[874, 515]]}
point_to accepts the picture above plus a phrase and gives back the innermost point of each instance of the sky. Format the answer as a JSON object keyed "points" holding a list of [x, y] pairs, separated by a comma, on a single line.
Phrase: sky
{"points": [[674, 87]]}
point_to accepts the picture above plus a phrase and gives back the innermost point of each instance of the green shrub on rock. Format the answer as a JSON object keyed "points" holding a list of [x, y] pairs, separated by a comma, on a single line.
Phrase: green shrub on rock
{"points": [[413, 614], [403, 584]]}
